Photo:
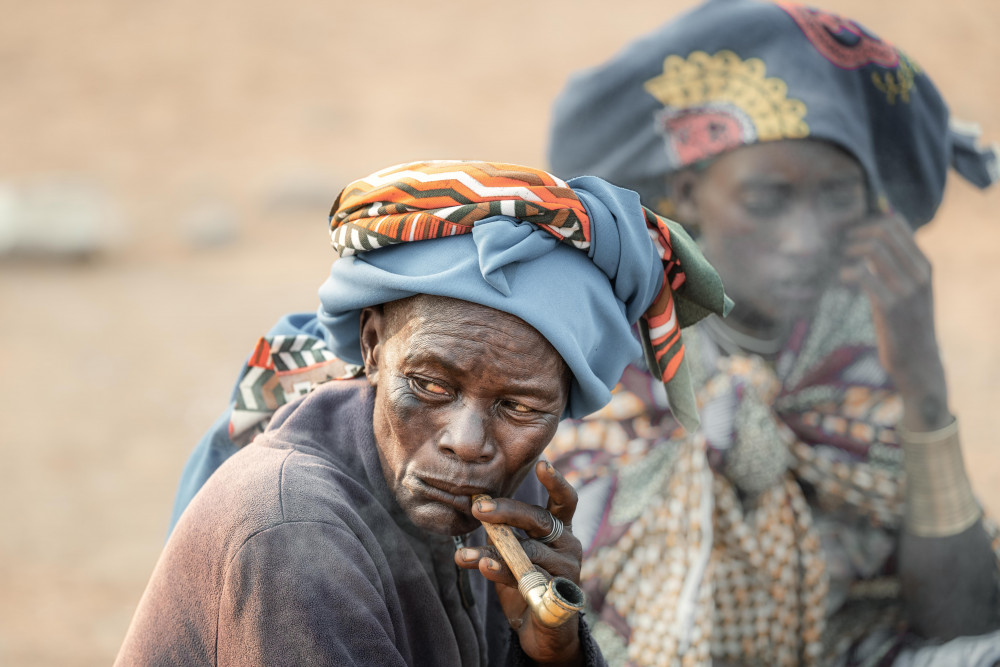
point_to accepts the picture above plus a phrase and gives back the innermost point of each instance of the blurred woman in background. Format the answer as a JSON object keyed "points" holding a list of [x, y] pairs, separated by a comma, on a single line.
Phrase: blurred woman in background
{"points": [[803, 152]]}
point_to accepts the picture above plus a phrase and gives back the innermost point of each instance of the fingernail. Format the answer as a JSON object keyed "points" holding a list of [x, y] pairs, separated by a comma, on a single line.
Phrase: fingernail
{"points": [[470, 554], [486, 505], [492, 565]]}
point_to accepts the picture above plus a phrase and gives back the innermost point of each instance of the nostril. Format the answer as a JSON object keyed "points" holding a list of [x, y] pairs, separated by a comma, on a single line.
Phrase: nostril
{"points": [[469, 452], [466, 438], [803, 245]]}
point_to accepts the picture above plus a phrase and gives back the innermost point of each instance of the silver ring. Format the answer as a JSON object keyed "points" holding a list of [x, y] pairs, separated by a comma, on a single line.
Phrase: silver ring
{"points": [[556, 532]]}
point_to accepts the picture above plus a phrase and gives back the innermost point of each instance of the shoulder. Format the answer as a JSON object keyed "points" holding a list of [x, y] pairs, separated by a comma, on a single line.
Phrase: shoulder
{"points": [[279, 529], [279, 502], [309, 450], [333, 407], [236, 564], [269, 483], [304, 468], [309, 592]]}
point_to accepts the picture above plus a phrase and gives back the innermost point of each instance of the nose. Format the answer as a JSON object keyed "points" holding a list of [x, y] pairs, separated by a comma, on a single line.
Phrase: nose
{"points": [[466, 435], [803, 235]]}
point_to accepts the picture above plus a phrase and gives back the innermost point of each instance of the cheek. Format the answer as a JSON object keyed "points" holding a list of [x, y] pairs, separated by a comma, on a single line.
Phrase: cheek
{"points": [[521, 446], [402, 424], [730, 235], [401, 405], [740, 257]]}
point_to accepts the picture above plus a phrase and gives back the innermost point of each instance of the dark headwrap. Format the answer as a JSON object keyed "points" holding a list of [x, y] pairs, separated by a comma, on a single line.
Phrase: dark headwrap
{"points": [[737, 72]]}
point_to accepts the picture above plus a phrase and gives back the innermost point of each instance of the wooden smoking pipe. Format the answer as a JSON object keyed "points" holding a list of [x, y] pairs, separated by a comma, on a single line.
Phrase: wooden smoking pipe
{"points": [[553, 602]]}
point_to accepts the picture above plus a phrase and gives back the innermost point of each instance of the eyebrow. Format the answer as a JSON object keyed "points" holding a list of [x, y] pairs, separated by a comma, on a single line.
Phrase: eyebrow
{"points": [[757, 181]]}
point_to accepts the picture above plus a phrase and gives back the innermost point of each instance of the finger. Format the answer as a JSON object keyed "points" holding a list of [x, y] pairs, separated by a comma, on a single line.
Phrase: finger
{"points": [[911, 258], [538, 524], [487, 560], [497, 571], [894, 235], [468, 557], [516, 621], [554, 563], [532, 519], [564, 562], [562, 495], [514, 607], [874, 258], [877, 290], [875, 227]]}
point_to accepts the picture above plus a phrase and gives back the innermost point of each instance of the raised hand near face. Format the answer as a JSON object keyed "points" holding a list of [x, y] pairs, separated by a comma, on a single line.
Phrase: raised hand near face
{"points": [[555, 553], [882, 258]]}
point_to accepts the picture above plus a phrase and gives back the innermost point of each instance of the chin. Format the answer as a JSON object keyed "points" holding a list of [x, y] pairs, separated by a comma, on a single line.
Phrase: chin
{"points": [[441, 520], [780, 314], [795, 311]]}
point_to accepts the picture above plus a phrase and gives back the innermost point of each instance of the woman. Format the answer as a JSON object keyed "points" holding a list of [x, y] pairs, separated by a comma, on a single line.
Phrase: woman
{"points": [[802, 151]]}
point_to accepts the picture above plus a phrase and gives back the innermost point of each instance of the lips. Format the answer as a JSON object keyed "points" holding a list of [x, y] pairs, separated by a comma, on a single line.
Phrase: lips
{"points": [[458, 496], [798, 291], [800, 287]]}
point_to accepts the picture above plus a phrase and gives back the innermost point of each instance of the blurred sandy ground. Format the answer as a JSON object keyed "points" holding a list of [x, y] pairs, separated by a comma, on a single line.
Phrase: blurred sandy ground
{"points": [[220, 132]]}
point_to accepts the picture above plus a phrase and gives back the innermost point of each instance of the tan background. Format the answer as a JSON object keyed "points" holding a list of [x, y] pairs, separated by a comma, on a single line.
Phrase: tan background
{"points": [[208, 118]]}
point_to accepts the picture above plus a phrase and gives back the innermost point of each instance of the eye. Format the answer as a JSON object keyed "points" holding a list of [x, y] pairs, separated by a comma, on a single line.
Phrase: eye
{"points": [[843, 198], [765, 202], [429, 386], [519, 408]]}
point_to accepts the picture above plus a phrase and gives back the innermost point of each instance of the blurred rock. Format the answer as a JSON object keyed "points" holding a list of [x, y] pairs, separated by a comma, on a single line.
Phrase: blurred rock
{"points": [[56, 217], [302, 190], [210, 223]]}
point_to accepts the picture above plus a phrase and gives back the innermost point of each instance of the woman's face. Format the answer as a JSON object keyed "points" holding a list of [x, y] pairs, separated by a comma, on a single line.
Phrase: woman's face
{"points": [[772, 218]]}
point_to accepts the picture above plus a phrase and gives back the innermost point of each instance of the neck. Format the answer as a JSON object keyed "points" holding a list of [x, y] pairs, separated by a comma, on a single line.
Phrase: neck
{"points": [[752, 323], [746, 331]]}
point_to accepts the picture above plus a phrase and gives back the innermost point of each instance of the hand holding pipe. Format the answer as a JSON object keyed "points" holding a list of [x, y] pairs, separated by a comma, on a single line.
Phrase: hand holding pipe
{"points": [[553, 602]]}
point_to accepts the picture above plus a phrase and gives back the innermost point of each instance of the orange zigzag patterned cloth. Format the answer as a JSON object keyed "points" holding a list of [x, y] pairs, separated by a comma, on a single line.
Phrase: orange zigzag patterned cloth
{"points": [[426, 200]]}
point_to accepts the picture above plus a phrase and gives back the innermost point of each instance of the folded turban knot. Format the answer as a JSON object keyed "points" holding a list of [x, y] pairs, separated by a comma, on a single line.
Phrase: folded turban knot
{"points": [[580, 261]]}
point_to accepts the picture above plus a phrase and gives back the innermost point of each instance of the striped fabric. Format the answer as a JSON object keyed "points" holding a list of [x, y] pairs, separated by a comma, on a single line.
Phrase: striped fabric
{"points": [[426, 200], [280, 369]]}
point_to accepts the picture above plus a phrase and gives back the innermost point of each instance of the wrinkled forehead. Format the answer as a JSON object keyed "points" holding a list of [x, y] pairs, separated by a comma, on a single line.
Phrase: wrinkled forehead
{"points": [[469, 339], [428, 317]]}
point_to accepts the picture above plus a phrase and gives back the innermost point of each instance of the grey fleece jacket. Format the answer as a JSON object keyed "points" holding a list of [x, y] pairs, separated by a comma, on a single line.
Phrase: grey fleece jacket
{"points": [[295, 553]]}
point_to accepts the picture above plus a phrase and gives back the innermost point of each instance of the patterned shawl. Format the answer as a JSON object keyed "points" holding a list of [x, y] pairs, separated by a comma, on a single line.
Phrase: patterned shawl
{"points": [[769, 536]]}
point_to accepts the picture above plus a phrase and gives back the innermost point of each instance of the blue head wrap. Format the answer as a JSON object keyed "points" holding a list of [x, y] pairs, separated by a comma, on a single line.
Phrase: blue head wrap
{"points": [[584, 303]]}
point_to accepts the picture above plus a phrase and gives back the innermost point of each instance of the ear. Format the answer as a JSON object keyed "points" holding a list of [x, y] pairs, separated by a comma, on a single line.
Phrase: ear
{"points": [[683, 194], [372, 331]]}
